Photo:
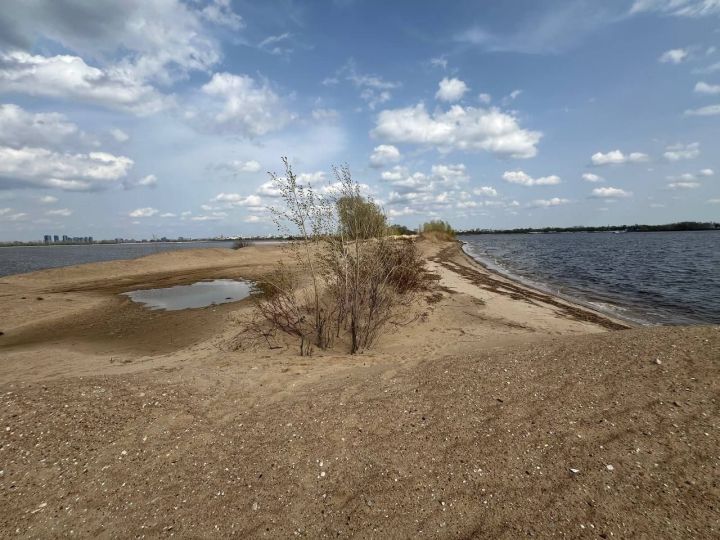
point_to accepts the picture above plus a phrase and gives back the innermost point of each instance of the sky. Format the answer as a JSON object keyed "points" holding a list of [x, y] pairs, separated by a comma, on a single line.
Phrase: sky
{"points": [[163, 117]]}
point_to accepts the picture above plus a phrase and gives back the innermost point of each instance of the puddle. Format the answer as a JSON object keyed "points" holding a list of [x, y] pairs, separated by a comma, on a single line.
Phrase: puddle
{"points": [[197, 295]]}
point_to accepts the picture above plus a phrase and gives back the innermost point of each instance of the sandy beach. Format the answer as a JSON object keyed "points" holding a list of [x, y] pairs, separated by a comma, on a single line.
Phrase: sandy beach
{"points": [[500, 412]]}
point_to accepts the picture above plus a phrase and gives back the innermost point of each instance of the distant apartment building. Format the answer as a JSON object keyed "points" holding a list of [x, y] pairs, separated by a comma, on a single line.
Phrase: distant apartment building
{"points": [[56, 238], [47, 239]]}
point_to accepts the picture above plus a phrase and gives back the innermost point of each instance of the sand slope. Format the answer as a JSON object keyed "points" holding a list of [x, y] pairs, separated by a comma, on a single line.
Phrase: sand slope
{"points": [[465, 424]]}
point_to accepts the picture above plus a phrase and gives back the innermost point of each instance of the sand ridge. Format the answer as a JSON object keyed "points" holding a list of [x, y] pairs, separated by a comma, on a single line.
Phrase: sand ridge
{"points": [[468, 423]]}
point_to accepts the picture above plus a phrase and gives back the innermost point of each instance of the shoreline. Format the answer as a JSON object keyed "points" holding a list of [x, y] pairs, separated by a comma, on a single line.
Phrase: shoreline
{"points": [[584, 304]]}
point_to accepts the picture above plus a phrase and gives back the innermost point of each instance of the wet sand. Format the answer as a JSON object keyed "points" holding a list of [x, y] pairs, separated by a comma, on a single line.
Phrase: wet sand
{"points": [[120, 421]]}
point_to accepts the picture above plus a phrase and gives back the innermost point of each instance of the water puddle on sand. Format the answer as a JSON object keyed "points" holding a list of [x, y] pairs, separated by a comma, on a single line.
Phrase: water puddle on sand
{"points": [[197, 295]]}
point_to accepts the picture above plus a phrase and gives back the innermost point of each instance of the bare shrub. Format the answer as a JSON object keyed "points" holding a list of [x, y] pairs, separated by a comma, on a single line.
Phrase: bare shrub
{"points": [[239, 243], [348, 277]]}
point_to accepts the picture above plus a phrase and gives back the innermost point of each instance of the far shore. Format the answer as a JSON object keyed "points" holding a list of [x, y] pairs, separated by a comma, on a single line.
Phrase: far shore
{"points": [[502, 410]]}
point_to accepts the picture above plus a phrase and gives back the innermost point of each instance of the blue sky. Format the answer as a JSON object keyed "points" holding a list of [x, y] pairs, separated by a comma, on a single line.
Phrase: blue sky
{"points": [[162, 117]]}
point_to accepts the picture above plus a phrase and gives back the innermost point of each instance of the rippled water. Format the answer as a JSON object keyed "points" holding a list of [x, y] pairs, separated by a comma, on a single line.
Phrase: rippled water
{"points": [[652, 278], [18, 260], [197, 295]]}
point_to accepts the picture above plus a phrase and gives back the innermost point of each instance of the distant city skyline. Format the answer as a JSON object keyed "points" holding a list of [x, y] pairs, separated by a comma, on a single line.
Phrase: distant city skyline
{"points": [[162, 117]]}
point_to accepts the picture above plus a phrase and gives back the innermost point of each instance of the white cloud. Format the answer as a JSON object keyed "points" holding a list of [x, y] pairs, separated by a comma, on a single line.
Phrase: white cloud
{"points": [[6, 215], [48, 199], [713, 201], [252, 219], [709, 110], [20, 128], [610, 193], [325, 115], [514, 94], [439, 61], [459, 128], [168, 215], [451, 89], [706, 172], [220, 12], [40, 167], [62, 212], [69, 77], [484, 98], [247, 107], [268, 189], [277, 44], [143, 212], [384, 154], [524, 179], [590, 177], [311, 178], [705, 88], [119, 135], [159, 40], [673, 56], [236, 199], [683, 185], [374, 90], [678, 8], [150, 181], [485, 191], [677, 152], [615, 157], [547, 203], [449, 175]]}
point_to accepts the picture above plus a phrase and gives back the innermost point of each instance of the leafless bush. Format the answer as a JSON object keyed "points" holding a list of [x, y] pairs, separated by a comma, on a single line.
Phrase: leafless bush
{"points": [[355, 277], [240, 243]]}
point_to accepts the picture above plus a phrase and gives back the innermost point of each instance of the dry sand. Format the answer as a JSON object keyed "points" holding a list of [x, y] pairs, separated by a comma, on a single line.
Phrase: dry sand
{"points": [[502, 412]]}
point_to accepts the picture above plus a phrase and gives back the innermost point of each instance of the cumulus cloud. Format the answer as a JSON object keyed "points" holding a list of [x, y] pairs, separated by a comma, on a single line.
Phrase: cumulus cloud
{"points": [[459, 128], [590, 177], [235, 199], [69, 77], [616, 157], [143, 212], [524, 179], [484, 98], [485, 191], [610, 193], [156, 40], [673, 56], [40, 167], [705, 88], [677, 152], [547, 203], [451, 89], [706, 172], [19, 128], [246, 107], [48, 199], [383, 155]]}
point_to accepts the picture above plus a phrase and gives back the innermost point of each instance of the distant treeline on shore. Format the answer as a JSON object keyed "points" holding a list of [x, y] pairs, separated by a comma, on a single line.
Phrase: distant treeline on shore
{"points": [[681, 226]]}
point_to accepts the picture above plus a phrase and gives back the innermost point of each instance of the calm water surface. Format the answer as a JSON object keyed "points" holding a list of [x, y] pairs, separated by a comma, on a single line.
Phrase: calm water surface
{"points": [[197, 295], [18, 260], [651, 278]]}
